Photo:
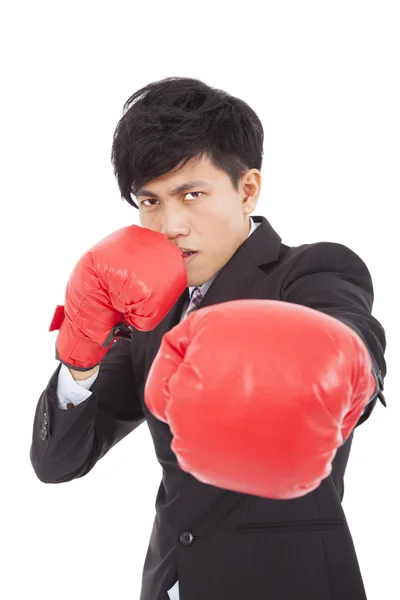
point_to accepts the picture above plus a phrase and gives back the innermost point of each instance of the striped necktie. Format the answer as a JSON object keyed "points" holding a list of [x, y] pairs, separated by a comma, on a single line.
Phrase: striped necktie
{"points": [[195, 300]]}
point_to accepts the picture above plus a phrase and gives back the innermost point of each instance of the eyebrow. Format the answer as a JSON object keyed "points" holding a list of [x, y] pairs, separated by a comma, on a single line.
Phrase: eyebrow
{"points": [[188, 185]]}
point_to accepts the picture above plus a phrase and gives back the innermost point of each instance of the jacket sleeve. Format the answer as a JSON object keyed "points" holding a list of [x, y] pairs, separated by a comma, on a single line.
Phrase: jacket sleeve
{"points": [[66, 444], [330, 277]]}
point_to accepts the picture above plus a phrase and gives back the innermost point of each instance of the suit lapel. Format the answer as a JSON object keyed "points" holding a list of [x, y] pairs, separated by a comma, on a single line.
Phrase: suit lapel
{"points": [[241, 275]]}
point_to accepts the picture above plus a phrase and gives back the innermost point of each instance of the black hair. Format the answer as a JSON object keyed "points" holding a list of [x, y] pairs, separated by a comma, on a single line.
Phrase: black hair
{"points": [[176, 119]]}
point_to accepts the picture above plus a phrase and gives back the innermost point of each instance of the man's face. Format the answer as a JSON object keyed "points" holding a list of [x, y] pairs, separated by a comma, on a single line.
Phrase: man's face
{"points": [[211, 218]]}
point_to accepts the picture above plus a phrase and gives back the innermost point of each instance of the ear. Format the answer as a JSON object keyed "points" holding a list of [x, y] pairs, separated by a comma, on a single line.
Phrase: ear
{"points": [[251, 188]]}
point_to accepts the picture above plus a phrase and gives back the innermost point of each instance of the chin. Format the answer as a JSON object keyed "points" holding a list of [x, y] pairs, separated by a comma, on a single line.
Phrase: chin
{"points": [[194, 282]]}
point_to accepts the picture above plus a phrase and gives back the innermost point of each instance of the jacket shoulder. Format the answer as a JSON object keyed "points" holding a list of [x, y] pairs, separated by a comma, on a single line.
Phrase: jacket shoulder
{"points": [[330, 257]]}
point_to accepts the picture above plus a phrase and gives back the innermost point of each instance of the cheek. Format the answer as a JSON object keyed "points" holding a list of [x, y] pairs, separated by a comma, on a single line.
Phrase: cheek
{"points": [[149, 222]]}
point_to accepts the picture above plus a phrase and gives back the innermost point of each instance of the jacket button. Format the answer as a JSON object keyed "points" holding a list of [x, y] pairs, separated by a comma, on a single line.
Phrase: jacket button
{"points": [[186, 538], [43, 434]]}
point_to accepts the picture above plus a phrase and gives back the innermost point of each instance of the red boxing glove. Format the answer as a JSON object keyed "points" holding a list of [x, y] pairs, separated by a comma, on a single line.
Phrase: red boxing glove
{"points": [[130, 279], [260, 394]]}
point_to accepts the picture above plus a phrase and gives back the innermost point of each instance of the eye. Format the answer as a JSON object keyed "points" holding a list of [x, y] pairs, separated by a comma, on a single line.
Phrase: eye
{"points": [[155, 200], [193, 193]]}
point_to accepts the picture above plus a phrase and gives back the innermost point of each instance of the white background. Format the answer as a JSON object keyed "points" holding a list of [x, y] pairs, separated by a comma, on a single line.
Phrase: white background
{"points": [[323, 77]]}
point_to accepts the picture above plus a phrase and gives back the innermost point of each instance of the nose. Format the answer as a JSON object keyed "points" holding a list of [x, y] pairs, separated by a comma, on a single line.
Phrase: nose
{"points": [[173, 223]]}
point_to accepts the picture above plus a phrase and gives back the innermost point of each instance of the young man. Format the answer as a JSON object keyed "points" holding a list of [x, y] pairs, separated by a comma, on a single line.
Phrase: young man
{"points": [[249, 505]]}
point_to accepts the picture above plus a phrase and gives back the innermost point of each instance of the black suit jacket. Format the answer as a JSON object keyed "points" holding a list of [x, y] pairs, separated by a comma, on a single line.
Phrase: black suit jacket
{"points": [[222, 544]]}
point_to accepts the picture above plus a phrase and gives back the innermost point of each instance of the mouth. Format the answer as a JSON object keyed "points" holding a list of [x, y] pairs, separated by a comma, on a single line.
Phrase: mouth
{"points": [[188, 256]]}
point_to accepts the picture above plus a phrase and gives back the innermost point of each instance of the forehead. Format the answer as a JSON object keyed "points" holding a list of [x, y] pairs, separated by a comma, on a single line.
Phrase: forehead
{"points": [[198, 167], [198, 172]]}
